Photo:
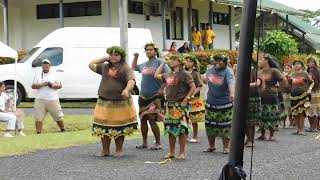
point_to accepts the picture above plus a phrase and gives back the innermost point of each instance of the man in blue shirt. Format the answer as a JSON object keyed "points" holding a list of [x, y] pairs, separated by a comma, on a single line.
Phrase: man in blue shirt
{"points": [[150, 95]]}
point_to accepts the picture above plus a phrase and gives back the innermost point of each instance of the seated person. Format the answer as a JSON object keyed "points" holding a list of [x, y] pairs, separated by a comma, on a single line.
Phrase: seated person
{"points": [[6, 114], [184, 49]]}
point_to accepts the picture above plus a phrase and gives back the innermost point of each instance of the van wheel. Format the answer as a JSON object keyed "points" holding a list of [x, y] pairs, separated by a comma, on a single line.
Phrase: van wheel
{"points": [[10, 92]]}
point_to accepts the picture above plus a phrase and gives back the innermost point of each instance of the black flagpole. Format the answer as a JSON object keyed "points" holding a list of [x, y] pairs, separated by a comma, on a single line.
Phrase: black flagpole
{"points": [[240, 107]]}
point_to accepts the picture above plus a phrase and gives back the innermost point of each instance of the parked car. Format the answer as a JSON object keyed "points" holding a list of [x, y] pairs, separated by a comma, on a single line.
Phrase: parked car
{"points": [[70, 51]]}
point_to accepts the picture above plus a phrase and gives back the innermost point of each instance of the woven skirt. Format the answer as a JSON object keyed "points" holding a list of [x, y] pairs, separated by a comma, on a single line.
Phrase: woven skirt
{"points": [[218, 120], [300, 103], [270, 112], [150, 107], [314, 110], [176, 119], [254, 110], [114, 118], [197, 111]]}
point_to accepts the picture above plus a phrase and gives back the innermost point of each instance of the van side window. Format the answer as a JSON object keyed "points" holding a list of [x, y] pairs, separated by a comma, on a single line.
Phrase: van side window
{"points": [[54, 54]]}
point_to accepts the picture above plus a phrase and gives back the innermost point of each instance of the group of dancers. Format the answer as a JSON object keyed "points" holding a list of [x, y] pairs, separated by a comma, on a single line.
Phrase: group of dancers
{"points": [[170, 93]]}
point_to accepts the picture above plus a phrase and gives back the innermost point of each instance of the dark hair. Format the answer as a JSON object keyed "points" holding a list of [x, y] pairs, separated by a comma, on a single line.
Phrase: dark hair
{"points": [[314, 72], [272, 61], [197, 30], [156, 49], [172, 44], [1, 83]]}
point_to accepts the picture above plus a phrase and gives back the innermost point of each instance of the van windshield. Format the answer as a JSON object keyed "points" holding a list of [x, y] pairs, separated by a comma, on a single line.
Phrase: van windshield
{"points": [[32, 51]]}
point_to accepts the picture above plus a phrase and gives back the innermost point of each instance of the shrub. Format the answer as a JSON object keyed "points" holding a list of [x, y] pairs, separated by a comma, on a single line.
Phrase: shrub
{"points": [[279, 44]]}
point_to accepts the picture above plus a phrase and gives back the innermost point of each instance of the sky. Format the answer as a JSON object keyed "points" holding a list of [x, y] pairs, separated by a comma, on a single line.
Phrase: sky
{"points": [[301, 4]]}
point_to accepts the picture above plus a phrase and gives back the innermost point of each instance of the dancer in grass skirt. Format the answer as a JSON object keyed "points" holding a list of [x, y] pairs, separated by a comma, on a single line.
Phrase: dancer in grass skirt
{"points": [[286, 92], [197, 111], [114, 114], [301, 86], [314, 111], [254, 107], [151, 95], [178, 91], [221, 82], [270, 108]]}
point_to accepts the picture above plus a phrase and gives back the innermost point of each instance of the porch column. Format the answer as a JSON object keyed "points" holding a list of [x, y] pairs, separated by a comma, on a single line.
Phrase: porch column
{"points": [[123, 23], [210, 13], [61, 16], [163, 21], [5, 22], [108, 14], [230, 28], [190, 22]]}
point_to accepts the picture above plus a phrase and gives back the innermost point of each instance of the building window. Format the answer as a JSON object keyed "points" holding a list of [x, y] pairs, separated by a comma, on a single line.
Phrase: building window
{"points": [[135, 7], [195, 18], [54, 54], [177, 24], [221, 18], [167, 29], [76, 9]]}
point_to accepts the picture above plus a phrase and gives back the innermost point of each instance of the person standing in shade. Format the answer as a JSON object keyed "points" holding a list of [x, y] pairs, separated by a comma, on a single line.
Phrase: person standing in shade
{"points": [[47, 99], [196, 39], [150, 96], [301, 87], [314, 111], [197, 111], [179, 89], [114, 114], [287, 71], [221, 83], [271, 76]]}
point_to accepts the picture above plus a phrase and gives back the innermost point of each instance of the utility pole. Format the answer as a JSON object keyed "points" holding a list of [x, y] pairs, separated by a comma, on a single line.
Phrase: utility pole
{"points": [[123, 22], [240, 107]]}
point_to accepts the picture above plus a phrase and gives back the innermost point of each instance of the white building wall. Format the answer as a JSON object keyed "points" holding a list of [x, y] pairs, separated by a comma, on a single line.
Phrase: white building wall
{"points": [[26, 30]]}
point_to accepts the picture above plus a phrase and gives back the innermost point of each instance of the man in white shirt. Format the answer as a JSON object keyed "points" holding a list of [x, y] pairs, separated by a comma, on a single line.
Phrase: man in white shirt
{"points": [[47, 99], [6, 113]]}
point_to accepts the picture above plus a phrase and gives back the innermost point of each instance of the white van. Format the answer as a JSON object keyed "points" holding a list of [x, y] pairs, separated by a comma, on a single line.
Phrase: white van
{"points": [[70, 51]]}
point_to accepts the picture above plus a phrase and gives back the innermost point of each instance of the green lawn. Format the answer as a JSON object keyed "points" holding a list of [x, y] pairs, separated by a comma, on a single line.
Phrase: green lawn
{"points": [[67, 104], [78, 131]]}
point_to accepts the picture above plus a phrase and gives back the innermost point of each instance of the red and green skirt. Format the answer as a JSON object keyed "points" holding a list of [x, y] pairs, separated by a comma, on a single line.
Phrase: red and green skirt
{"points": [[176, 119]]}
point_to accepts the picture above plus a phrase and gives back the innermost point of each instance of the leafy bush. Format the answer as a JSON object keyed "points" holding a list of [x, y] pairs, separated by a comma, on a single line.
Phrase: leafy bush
{"points": [[279, 44]]}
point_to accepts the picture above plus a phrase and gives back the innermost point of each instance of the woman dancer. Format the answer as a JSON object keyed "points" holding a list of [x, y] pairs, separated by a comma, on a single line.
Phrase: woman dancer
{"points": [[114, 115]]}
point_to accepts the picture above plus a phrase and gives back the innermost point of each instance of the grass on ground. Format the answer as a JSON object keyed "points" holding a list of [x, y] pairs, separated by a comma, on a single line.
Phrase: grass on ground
{"points": [[78, 131], [67, 104]]}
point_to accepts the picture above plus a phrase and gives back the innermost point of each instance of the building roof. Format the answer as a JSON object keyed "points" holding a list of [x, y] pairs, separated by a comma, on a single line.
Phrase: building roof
{"points": [[312, 35], [266, 5]]}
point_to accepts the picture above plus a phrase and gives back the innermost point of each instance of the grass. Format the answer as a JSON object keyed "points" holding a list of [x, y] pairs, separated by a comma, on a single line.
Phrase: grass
{"points": [[78, 131], [67, 104]]}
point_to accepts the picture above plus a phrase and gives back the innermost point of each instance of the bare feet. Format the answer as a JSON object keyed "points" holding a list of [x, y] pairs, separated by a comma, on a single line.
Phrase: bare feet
{"points": [[226, 151], [182, 156], [119, 154], [103, 153], [169, 156]]}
